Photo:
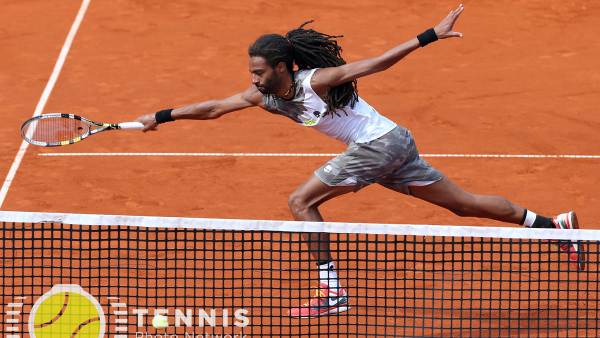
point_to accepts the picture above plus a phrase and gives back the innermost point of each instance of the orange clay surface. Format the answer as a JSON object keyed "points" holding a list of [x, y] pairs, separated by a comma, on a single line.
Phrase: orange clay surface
{"points": [[525, 79]]}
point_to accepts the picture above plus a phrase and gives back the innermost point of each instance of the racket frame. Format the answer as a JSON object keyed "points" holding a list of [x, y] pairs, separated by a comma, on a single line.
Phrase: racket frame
{"points": [[101, 127]]}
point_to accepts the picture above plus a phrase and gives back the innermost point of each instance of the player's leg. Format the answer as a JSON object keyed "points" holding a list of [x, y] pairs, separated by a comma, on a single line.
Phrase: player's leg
{"points": [[347, 172], [414, 176], [446, 194], [304, 203], [360, 165], [418, 178], [330, 297]]}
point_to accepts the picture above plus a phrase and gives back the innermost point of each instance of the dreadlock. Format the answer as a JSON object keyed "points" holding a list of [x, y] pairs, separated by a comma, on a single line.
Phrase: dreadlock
{"points": [[309, 49]]}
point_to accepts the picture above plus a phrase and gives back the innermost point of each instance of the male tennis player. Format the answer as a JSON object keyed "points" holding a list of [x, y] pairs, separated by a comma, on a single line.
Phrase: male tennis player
{"points": [[322, 95]]}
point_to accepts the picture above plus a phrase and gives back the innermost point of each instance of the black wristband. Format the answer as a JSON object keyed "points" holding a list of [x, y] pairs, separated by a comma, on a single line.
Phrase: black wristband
{"points": [[427, 37], [163, 116]]}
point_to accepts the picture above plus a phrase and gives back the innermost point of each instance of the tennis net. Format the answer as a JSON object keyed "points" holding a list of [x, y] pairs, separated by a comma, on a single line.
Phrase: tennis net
{"points": [[75, 275]]}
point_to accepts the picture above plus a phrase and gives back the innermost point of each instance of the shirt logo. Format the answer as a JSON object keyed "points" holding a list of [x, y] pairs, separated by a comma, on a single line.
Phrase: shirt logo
{"points": [[316, 113], [328, 168]]}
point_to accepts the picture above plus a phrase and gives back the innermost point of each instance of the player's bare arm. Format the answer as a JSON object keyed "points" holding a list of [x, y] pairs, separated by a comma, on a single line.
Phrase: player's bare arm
{"points": [[326, 78], [208, 110]]}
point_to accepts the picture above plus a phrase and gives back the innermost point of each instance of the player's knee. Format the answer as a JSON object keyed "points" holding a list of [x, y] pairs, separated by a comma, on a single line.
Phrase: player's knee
{"points": [[297, 202]]}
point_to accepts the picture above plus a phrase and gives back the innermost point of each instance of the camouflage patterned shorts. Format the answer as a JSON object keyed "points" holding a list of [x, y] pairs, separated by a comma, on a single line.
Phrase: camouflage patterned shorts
{"points": [[391, 160]]}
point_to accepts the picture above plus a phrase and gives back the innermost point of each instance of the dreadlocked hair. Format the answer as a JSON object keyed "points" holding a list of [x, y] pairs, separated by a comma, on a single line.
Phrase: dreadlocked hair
{"points": [[308, 49]]}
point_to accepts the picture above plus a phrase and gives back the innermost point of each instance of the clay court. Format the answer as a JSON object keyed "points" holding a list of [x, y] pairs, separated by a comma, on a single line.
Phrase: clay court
{"points": [[522, 81]]}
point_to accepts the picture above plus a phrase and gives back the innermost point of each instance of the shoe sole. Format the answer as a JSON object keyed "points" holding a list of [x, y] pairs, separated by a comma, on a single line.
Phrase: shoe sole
{"points": [[335, 310], [581, 261], [572, 220]]}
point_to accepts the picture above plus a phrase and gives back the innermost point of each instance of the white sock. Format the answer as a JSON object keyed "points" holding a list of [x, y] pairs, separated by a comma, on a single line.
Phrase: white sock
{"points": [[529, 219], [328, 275]]}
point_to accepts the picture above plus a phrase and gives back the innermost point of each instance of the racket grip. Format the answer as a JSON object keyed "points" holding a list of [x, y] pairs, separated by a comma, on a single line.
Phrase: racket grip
{"points": [[130, 125]]}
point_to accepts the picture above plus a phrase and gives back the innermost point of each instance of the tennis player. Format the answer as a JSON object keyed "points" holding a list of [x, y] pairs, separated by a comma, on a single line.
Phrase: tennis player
{"points": [[321, 94]]}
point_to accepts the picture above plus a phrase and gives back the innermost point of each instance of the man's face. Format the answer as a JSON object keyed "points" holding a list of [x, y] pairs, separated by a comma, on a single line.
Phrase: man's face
{"points": [[264, 77]]}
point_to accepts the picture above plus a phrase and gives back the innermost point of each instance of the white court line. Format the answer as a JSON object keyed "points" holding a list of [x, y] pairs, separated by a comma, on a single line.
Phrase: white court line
{"points": [[311, 155], [45, 95]]}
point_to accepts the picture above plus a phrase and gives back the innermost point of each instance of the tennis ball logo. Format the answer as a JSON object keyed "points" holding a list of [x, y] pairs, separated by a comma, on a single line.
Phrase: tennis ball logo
{"points": [[66, 311]]}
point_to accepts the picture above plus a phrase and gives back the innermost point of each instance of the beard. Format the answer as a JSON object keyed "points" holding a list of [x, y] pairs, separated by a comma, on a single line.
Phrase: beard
{"points": [[270, 85]]}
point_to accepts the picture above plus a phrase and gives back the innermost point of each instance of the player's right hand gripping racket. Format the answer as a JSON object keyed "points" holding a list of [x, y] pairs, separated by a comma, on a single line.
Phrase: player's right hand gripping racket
{"points": [[52, 130]]}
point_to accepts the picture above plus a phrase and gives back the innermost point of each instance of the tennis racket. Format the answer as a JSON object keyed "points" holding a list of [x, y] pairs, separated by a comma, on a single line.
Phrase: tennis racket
{"points": [[52, 130]]}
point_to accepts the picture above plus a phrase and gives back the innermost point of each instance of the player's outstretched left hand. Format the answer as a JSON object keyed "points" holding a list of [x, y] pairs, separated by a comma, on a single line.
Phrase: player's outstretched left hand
{"points": [[444, 29], [149, 122]]}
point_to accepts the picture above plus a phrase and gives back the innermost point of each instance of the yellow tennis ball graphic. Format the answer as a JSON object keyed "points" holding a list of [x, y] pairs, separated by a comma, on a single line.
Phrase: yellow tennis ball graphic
{"points": [[66, 311]]}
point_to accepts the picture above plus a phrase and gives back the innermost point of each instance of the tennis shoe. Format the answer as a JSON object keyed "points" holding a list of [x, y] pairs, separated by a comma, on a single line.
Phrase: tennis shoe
{"points": [[324, 302], [575, 249]]}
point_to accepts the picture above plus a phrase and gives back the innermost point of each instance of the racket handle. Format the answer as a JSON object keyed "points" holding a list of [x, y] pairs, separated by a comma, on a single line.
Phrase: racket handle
{"points": [[130, 125]]}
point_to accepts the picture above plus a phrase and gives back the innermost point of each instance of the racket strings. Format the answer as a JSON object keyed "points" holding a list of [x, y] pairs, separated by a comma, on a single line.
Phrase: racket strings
{"points": [[56, 129]]}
